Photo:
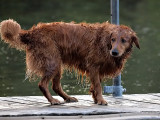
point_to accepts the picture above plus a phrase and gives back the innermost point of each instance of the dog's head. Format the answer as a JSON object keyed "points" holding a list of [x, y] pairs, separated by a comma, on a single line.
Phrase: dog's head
{"points": [[121, 40]]}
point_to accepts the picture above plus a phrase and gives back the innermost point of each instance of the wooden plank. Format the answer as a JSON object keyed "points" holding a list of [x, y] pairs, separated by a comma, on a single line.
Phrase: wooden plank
{"points": [[155, 94], [145, 98], [122, 116], [38, 105]]}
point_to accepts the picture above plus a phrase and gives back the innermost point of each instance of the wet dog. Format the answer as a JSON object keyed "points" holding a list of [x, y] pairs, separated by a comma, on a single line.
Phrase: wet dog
{"points": [[99, 50]]}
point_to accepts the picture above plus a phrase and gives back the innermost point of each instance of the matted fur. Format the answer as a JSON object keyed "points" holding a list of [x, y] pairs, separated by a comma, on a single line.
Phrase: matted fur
{"points": [[83, 46]]}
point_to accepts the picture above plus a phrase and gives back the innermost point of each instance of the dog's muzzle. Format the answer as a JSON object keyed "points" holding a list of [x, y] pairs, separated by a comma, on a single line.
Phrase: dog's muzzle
{"points": [[114, 53]]}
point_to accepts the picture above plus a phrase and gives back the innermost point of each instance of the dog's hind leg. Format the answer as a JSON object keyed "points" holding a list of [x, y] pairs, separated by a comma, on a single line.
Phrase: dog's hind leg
{"points": [[50, 72], [56, 86], [43, 85]]}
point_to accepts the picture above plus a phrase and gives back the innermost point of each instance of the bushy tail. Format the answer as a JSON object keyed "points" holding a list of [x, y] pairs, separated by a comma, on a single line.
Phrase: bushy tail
{"points": [[10, 31]]}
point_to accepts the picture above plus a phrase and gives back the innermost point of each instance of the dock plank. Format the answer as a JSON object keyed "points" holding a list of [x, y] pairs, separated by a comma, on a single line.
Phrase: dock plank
{"points": [[38, 106]]}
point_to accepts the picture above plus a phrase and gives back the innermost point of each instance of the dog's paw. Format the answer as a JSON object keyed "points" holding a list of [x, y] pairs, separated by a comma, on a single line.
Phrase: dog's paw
{"points": [[71, 99], [55, 102], [102, 102]]}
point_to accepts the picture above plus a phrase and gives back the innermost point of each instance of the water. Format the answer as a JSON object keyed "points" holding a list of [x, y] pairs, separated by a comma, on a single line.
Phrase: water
{"points": [[141, 73]]}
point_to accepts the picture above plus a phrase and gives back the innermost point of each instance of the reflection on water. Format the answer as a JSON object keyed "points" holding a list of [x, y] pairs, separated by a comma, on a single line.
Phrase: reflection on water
{"points": [[141, 73]]}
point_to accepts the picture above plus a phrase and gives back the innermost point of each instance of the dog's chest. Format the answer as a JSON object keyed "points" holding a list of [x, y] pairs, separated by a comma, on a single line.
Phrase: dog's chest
{"points": [[110, 68]]}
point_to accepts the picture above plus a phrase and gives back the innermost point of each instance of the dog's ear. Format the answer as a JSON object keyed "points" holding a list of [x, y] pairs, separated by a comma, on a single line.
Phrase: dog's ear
{"points": [[135, 40], [109, 44], [110, 35]]}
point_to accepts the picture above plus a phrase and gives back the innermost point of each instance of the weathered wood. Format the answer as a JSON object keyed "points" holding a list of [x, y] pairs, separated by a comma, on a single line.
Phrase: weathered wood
{"points": [[146, 105], [122, 116]]}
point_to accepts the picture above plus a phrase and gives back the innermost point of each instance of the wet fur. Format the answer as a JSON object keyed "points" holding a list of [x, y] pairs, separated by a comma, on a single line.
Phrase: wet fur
{"points": [[83, 46]]}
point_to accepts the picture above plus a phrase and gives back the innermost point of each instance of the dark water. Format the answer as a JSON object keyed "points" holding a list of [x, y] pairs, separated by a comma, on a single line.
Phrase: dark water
{"points": [[142, 71]]}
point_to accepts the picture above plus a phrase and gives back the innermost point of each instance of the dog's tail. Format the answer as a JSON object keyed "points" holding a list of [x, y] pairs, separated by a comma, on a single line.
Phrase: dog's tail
{"points": [[11, 33]]}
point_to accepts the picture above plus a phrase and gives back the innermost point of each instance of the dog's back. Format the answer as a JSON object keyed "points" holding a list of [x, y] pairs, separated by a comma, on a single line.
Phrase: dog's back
{"points": [[75, 45]]}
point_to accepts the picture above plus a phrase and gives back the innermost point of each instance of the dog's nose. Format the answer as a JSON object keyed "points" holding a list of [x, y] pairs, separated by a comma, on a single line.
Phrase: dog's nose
{"points": [[115, 52]]}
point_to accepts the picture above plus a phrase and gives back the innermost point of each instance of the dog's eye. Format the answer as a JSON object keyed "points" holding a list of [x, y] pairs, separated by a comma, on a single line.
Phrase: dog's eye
{"points": [[123, 41], [113, 40]]}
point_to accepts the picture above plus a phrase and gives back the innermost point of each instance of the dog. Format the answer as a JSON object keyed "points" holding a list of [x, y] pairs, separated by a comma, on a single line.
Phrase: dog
{"points": [[99, 50]]}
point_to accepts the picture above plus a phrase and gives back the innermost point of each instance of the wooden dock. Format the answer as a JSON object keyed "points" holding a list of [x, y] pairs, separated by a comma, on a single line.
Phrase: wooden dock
{"points": [[135, 106]]}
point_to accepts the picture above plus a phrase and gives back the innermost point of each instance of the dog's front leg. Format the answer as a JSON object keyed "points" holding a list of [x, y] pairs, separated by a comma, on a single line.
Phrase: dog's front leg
{"points": [[96, 88]]}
